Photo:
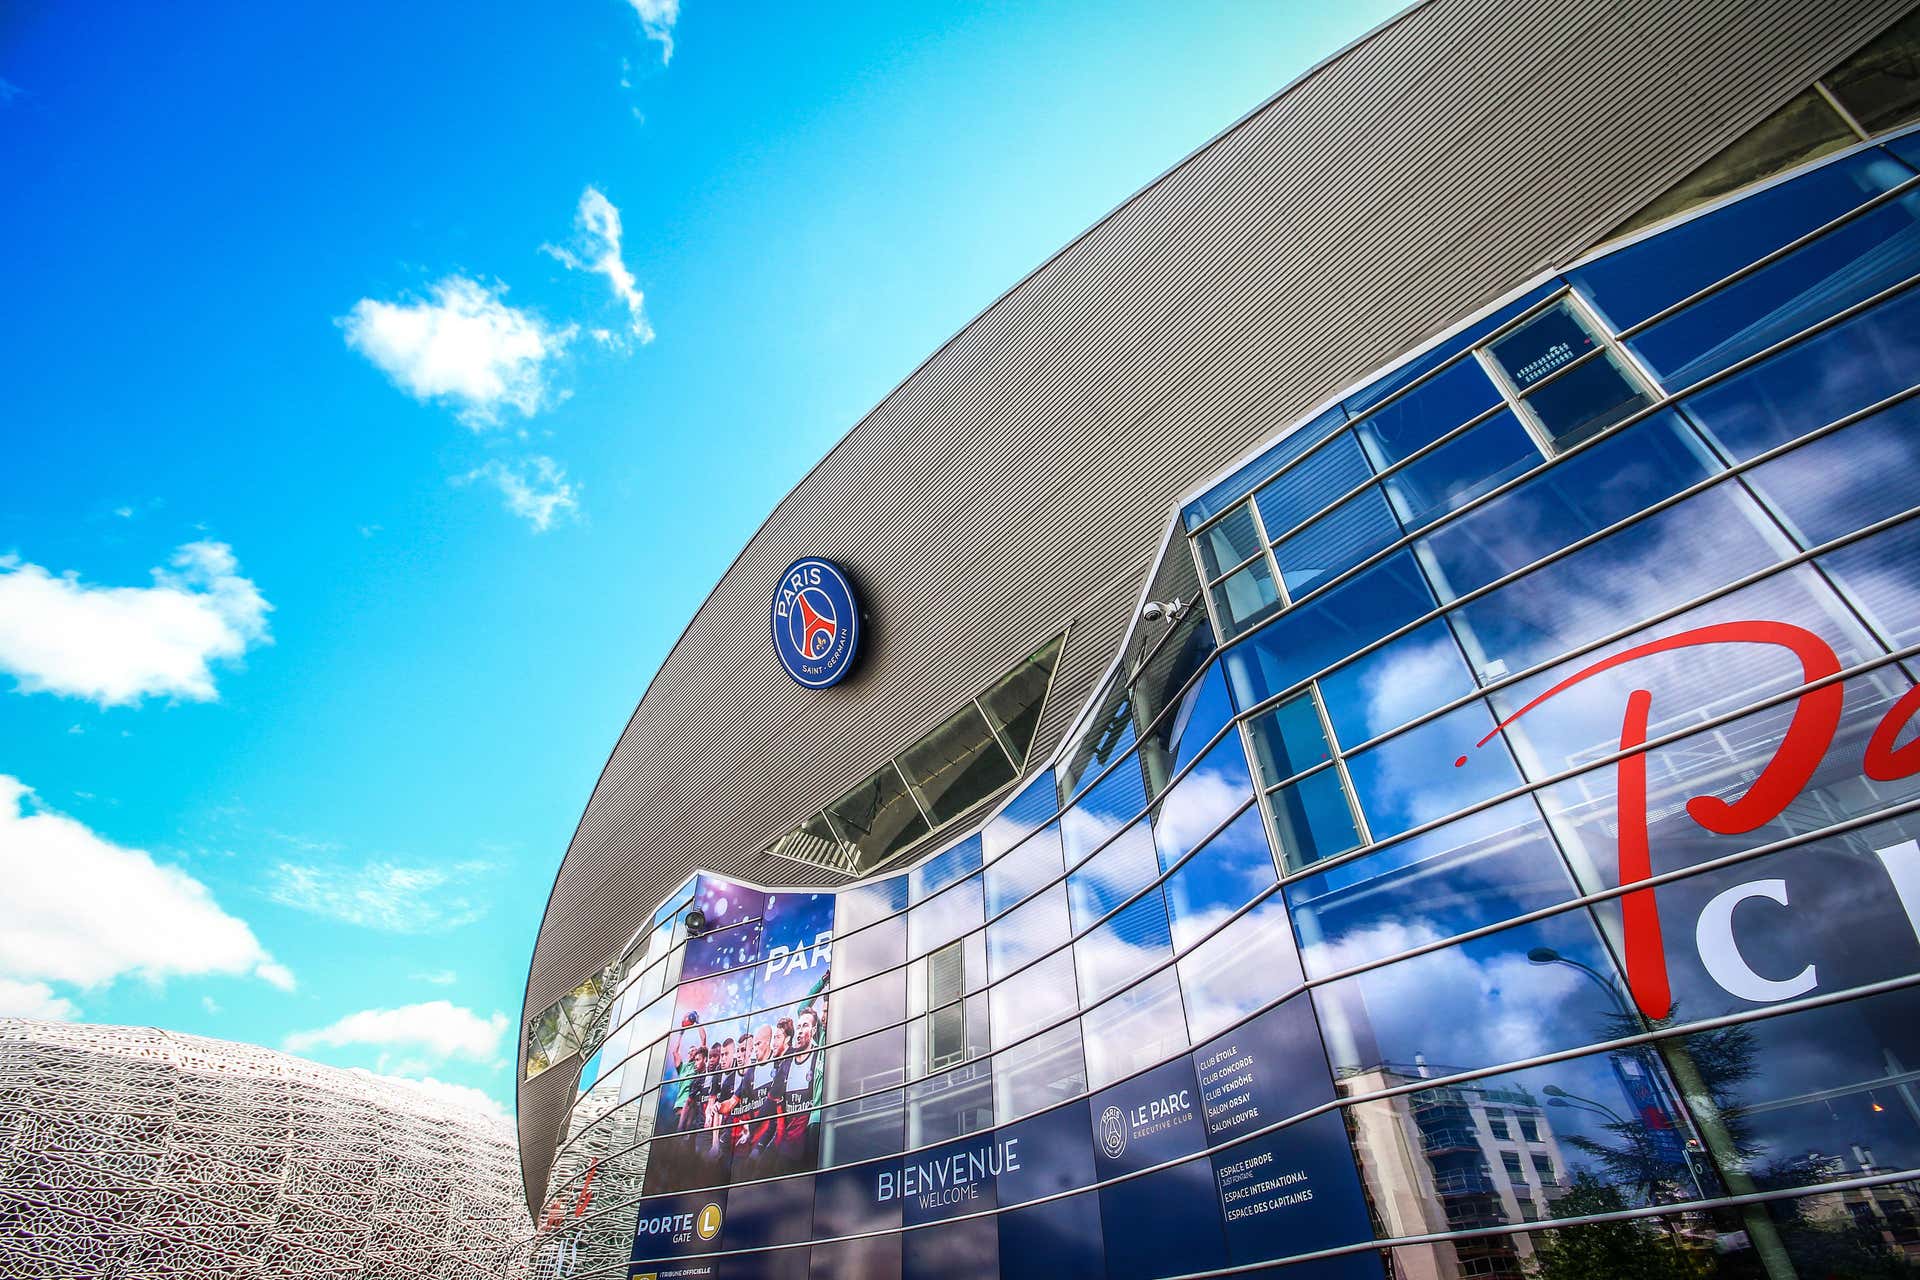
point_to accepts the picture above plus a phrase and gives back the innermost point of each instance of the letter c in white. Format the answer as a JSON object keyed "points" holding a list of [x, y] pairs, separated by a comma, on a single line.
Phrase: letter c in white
{"points": [[1721, 954]]}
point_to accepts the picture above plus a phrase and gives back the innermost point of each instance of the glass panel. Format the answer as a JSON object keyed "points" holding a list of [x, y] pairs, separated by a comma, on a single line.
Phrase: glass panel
{"points": [[1219, 880], [942, 869], [1021, 873], [1587, 400], [1110, 804], [879, 816], [945, 916], [1201, 801], [1882, 576], [1248, 478], [1015, 702], [1134, 1030], [1032, 999], [1166, 673], [1461, 470], [1430, 772], [870, 949], [1842, 267], [1247, 965], [862, 904], [1032, 930], [1327, 629], [815, 841], [1879, 456], [1117, 952], [1039, 1072], [1289, 739], [1798, 132], [1643, 464], [949, 1105], [1027, 812], [1337, 541], [1171, 744], [1812, 383], [1113, 875], [1430, 411], [1390, 686], [1246, 597], [1312, 486], [957, 765], [1108, 735], [1313, 819], [1477, 871], [1227, 543], [1880, 85], [1381, 388]]}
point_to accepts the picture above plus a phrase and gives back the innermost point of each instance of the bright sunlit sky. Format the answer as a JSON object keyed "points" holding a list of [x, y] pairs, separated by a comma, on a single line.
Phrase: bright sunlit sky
{"points": [[381, 391]]}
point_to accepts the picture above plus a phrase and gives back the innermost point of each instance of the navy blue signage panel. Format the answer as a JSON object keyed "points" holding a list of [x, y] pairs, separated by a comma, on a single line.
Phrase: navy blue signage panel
{"points": [[671, 1232], [1168, 1222], [965, 1250], [1049, 1153], [769, 1213], [1059, 1240], [1295, 1191], [856, 1198], [1151, 1118], [1269, 1069], [953, 1179], [876, 1258]]}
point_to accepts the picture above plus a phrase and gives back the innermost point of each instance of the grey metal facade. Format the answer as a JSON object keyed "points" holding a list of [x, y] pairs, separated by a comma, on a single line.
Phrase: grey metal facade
{"points": [[1029, 467]]}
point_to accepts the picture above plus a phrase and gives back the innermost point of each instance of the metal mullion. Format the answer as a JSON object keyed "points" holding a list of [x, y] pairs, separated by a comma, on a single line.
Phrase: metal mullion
{"points": [[1768, 259], [1662, 403], [1840, 108], [1243, 564], [1004, 748]]}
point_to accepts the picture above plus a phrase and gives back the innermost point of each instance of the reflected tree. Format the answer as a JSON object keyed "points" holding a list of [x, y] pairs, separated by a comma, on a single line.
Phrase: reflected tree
{"points": [[1635, 1249]]}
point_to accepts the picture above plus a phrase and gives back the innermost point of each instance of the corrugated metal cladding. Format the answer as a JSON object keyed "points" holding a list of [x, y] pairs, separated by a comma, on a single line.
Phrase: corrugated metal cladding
{"points": [[1021, 478]]}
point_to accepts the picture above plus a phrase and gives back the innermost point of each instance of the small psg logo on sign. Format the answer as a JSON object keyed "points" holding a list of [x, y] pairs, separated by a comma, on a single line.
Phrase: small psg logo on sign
{"points": [[816, 623], [1113, 1133]]}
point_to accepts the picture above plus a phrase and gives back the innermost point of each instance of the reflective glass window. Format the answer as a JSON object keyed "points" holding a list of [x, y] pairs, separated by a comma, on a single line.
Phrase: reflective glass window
{"points": [[1013, 705], [942, 869], [1289, 739], [1248, 478], [1030, 931], [957, 765], [1203, 712], [1812, 383], [1472, 872], [868, 1005], [1219, 880], [1335, 542], [1113, 875], [1026, 813], [1022, 872], [1313, 485], [1201, 801], [1880, 85], [862, 904], [869, 949], [1882, 575], [1428, 412], [1852, 262], [950, 1104], [1462, 469], [1135, 1029], [1229, 541], [1313, 818], [1245, 966], [1246, 597], [880, 816], [1166, 677], [1117, 952], [868, 1123], [1432, 771], [1038, 1072], [1446, 350], [1032, 999], [1568, 404], [1327, 629], [1879, 456], [1396, 682], [1107, 736], [1648, 461], [1108, 805], [947, 915], [1643, 279]]}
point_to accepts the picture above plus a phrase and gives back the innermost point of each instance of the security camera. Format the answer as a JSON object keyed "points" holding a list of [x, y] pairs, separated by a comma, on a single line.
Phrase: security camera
{"points": [[1153, 612], [696, 922], [1163, 610]]}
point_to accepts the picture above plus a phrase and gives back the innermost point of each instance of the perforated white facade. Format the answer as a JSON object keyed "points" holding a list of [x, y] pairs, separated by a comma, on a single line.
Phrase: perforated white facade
{"points": [[132, 1152]]}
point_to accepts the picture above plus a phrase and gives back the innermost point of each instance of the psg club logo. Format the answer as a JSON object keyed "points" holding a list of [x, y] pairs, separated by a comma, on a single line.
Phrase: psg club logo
{"points": [[1113, 1133], [816, 623]]}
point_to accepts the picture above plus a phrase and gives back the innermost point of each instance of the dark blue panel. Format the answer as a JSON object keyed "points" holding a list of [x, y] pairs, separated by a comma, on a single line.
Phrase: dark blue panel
{"points": [[1313, 486], [1136, 1218], [1151, 1118], [1849, 479], [1644, 278], [1056, 1241], [1428, 412], [760, 1214], [1055, 1153], [1323, 631], [1336, 542], [1291, 1192], [1262, 1072], [1462, 469], [861, 1197], [1842, 267], [1442, 352], [1883, 573], [779, 1264], [1248, 478], [1815, 382], [954, 1178], [1204, 713], [679, 1226], [954, 1251], [876, 1258]]}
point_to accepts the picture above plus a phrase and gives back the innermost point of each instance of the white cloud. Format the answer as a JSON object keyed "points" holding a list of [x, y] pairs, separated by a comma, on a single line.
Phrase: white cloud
{"points": [[211, 1005], [596, 248], [465, 347], [80, 909], [34, 1000], [116, 645], [437, 1027], [438, 977], [656, 20], [382, 895], [461, 1097], [537, 489]]}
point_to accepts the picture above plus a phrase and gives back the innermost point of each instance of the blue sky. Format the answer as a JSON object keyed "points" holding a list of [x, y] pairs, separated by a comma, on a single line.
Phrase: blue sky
{"points": [[383, 390]]}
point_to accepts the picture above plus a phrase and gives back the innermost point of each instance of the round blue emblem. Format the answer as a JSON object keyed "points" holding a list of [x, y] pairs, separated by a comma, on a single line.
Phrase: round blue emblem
{"points": [[816, 623]]}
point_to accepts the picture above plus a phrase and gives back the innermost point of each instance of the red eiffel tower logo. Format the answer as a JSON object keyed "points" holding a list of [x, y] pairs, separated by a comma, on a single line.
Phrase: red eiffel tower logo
{"points": [[812, 625]]}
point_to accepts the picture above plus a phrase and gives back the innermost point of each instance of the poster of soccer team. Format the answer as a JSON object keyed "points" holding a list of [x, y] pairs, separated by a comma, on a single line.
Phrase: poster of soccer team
{"points": [[745, 1074]]}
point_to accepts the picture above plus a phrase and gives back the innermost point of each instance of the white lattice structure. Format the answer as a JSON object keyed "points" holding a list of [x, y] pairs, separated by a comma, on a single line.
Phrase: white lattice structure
{"points": [[133, 1152]]}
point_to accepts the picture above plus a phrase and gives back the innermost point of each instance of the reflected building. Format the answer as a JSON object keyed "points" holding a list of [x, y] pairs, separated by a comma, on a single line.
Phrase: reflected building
{"points": [[1360, 721]]}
